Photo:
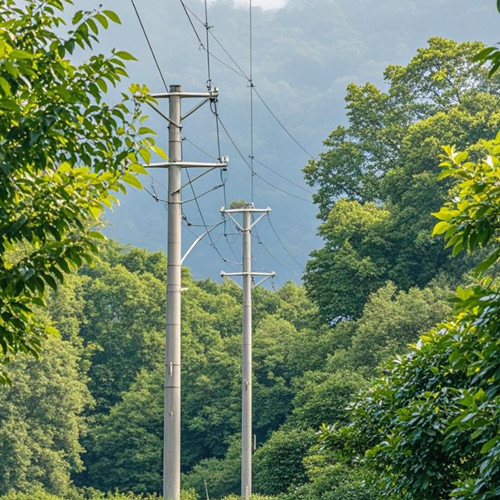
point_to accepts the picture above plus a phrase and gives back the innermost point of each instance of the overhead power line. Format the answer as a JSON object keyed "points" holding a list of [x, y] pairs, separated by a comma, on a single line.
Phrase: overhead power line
{"points": [[283, 245], [245, 161], [249, 77], [149, 45]]}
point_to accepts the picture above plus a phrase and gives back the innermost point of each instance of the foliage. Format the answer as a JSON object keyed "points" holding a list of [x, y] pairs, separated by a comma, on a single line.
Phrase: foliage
{"points": [[490, 55], [391, 320], [333, 481], [431, 424], [125, 446], [379, 175], [41, 421], [125, 305], [88, 494], [64, 151], [322, 397], [279, 462], [219, 476]]}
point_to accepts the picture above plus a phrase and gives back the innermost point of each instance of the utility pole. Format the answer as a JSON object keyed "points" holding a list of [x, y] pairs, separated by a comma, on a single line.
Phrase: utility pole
{"points": [[246, 366], [172, 387]]}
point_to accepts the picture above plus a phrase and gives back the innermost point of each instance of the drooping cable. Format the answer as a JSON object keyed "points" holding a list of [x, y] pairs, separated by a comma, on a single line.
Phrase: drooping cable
{"points": [[149, 45], [280, 123], [257, 174], [282, 244], [195, 199], [191, 22], [283, 177], [190, 13], [261, 243]]}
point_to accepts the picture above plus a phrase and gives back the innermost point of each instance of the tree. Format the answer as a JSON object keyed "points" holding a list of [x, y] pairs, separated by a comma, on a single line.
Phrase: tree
{"points": [[123, 330], [42, 422], [379, 174], [279, 462], [64, 152], [391, 320], [431, 424]]}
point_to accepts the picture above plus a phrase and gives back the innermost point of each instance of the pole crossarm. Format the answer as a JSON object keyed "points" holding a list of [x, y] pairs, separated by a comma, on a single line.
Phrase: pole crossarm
{"points": [[211, 94], [251, 273], [249, 210], [189, 164], [242, 210]]}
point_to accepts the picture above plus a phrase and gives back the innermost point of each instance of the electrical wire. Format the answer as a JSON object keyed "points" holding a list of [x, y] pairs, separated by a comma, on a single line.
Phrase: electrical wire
{"points": [[149, 44], [283, 245], [208, 155], [249, 78], [188, 11], [256, 174], [280, 123], [195, 199], [261, 243], [283, 177]]}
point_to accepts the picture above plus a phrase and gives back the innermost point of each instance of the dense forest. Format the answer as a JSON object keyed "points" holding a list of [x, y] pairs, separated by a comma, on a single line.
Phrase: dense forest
{"points": [[378, 378]]}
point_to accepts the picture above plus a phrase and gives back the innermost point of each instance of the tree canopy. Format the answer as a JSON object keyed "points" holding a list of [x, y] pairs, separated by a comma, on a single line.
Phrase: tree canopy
{"points": [[377, 180], [64, 152]]}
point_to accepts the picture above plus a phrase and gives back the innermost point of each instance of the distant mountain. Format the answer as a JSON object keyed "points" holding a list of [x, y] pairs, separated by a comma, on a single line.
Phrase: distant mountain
{"points": [[304, 55]]}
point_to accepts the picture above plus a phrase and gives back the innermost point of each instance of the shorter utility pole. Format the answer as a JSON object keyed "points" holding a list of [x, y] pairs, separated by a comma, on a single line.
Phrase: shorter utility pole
{"points": [[246, 366]]}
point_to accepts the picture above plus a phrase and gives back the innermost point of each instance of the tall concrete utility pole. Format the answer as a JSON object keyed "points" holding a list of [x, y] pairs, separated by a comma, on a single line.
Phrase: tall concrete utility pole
{"points": [[246, 365], [172, 387]]}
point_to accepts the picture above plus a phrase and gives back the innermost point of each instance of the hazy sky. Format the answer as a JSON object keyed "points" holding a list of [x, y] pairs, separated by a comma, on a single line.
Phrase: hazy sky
{"points": [[305, 54], [265, 4]]}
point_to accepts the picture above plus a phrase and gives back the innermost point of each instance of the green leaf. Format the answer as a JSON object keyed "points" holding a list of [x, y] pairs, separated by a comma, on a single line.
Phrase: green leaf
{"points": [[126, 56], [112, 16], [132, 180], [489, 444], [440, 228]]}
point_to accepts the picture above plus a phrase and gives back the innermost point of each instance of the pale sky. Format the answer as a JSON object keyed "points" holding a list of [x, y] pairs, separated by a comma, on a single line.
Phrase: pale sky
{"points": [[265, 4]]}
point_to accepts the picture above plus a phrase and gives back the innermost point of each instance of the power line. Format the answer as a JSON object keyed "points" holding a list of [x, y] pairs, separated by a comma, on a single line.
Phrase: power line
{"points": [[208, 155], [283, 245], [280, 123], [255, 173], [149, 44], [261, 243], [283, 177], [188, 11], [195, 199], [249, 78], [191, 22]]}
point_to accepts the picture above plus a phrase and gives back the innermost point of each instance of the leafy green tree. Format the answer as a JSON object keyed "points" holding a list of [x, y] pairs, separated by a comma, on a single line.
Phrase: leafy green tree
{"points": [[279, 462], [333, 480], [42, 422], [431, 424], [125, 447], [379, 174], [323, 397], [123, 329], [64, 152], [391, 320], [220, 476]]}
